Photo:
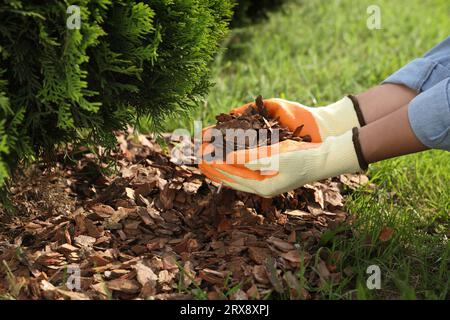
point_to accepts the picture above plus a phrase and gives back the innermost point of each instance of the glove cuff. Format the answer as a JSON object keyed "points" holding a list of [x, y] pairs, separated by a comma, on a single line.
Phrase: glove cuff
{"points": [[341, 154], [357, 145], [339, 117], [358, 111]]}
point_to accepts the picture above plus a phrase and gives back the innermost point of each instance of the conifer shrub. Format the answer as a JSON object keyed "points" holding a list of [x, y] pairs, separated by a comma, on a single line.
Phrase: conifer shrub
{"points": [[128, 59]]}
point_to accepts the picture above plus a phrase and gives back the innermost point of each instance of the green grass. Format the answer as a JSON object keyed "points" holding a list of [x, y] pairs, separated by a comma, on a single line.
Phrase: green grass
{"points": [[412, 196], [315, 52]]}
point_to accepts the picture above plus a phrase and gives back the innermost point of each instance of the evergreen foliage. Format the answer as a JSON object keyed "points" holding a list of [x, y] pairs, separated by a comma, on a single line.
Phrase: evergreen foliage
{"points": [[128, 59]]}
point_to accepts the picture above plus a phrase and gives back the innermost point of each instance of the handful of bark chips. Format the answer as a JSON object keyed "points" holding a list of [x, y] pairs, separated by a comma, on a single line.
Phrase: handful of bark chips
{"points": [[255, 118]]}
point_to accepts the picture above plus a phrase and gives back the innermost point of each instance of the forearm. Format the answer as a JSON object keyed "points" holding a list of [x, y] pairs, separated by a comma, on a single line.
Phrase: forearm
{"points": [[389, 137], [419, 125], [382, 100]]}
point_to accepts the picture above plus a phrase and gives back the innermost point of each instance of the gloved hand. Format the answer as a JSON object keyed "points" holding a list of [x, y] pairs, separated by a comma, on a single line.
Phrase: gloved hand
{"points": [[271, 170], [320, 122]]}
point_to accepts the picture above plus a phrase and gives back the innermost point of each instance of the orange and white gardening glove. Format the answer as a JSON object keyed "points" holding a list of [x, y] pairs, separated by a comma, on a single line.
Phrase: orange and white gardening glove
{"points": [[271, 170], [319, 122]]}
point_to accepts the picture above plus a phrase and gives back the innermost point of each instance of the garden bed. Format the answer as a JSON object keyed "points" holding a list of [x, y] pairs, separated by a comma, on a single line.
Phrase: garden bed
{"points": [[159, 230]]}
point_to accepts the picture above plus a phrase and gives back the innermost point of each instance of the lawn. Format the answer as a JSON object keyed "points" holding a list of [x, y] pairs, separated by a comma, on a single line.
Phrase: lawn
{"points": [[317, 51]]}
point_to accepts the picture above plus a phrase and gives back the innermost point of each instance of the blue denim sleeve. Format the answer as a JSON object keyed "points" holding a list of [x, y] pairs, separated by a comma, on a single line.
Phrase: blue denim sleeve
{"points": [[423, 73], [429, 116]]}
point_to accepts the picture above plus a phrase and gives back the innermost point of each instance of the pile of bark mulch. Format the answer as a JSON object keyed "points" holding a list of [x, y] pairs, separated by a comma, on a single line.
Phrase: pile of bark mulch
{"points": [[157, 230], [255, 117]]}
